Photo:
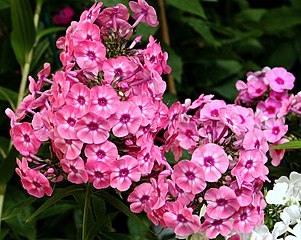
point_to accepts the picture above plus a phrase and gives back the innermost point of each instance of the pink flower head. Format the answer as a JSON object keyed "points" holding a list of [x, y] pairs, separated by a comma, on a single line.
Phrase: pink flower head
{"points": [[124, 172], [112, 13], [90, 56], [75, 169], [213, 159], [91, 14], [277, 154], [103, 152], [243, 193], [147, 108], [214, 227], [86, 31], [245, 219], [60, 88], [255, 139], [269, 108], [280, 79], [144, 13], [140, 198], [98, 173], [70, 147], [104, 101], [210, 111], [181, 219], [256, 87], [24, 139], [250, 166], [189, 176], [92, 129], [126, 120], [40, 130], [275, 129], [188, 135], [64, 16], [222, 202]]}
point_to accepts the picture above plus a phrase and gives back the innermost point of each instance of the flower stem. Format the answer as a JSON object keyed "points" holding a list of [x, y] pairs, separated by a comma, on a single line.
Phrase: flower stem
{"points": [[85, 213]]}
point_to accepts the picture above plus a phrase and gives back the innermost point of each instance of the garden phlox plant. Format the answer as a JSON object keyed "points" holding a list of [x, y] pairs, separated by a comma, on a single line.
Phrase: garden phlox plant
{"points": [[101, 119]]}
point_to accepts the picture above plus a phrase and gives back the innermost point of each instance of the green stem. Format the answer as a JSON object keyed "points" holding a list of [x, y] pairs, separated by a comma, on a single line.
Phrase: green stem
{"points": [[2, 194], [85, 213]]}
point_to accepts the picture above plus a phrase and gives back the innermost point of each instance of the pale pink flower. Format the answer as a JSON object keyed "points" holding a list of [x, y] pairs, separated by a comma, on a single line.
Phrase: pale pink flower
{"points": [[40, 130], [75, 169], [277, 154], [98, 173], [126, 120], [189, 176], [214, 227], [92, 128], [146, 106], [255, 139], [60, 89], [118, 11], [213, 160], [210, 111], [144, 13], [146, 159], [222, 202], [91, 14], [244, 192], [24, 139], [159, 195], [66, 119], [124, 172], [256, 87], [140, 198], [104, 101], [232, 120], [280, 79], [269, 108], [181, 219], [187, 135], [275, 129], [86, 31], [104, 152], [245, 219], [70, 147]]}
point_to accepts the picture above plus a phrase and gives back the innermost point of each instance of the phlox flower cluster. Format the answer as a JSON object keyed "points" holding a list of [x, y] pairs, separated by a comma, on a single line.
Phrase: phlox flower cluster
{"points": [[267, 92], [98, 116]]}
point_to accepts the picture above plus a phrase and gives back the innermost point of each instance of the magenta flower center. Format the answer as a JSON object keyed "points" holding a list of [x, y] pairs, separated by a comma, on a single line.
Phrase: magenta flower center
{"points": [[271, 109], [91, 55], [36, 184], [243, 217], [92, 126], [279, 80], [221, 202], [208, 161], [81, 100], [217, 222], [190, 175], [214, 113], [238, 192], [257, 144], [275, 130], [146, 157], [100, 154], [188, 133], [229, 121], [102, 101], [249, 164], [26, 138], [68, 141], [124, 172], [118, 72], [98, 174], [124, 118], [71, 121], [144, 198], [73, 169], [181, 218]]}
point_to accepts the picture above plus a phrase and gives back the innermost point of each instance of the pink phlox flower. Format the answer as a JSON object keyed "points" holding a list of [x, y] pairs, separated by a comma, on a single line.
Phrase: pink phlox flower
{"points": [[250, 166], [244, 192], [79, 97], [90, 56], [210, 111], [211, 130], [222, 202], [103, 152], [144, 13], [75, 169], [174, 116], [49, 121], [92, 128], [243, 96], [70, 147], [246, 115], [34, 86], [64, 16], [66, 119], [66, 44], [183, 197], [146, 106], [279, 96], [116, 69], [280, 79], [91, 14], [146, 160], [40, 130], [232, 120], [24, 139], [255, 139], [286, 107], [22, 168], [269, 108], [202, 99], [256, 87], [98, 173], [104, 101], [189, 176], [144, 134], [181, 219], [214, 227], [24, 107], [86, 31], [140, 198], [245, 219], [213, 159], [277, 154], [160, 187], [10, 113], [126, 120], [113, 13], [161, 116], [188, 136], [275, 129], [124, 172]]}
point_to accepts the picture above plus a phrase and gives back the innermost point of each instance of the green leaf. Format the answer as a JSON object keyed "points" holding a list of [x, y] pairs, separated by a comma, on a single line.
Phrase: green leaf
{"points": [[4, 4], [253, 15], [285, 55], [8, 95], [203, 30], [169, 99], [55, 198], [23, 31], [145, 31], [288, 145], [190, 6], [110, 3], [50, 30]]}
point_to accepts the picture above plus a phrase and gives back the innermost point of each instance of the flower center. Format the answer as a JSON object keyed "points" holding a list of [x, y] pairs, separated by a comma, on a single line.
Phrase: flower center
{"points": [[257, 144], [81, 100], [221, 202], [124, 172], [93, 126], [275, 130], [208, 161], [98, 174], [243, 217], [100, 154], [214, 113], [144, 198], [124, 118], [271, 110], [102, 102], [181, 218], [279, 80], [91, 55], [190, 175], [26, 138], [249, 164], [71, 121]]}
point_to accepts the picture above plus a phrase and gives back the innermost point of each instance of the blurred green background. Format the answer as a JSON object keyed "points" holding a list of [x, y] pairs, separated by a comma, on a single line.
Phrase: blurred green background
{"points": [[211, 45]]}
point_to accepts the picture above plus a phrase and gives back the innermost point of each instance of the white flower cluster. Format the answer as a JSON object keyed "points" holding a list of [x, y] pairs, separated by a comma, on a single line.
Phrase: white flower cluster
{"points": [[286, 193]]}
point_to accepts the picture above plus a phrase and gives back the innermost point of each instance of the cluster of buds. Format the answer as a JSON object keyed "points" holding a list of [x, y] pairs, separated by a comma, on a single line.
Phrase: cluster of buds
{"points": [[101, 119]]}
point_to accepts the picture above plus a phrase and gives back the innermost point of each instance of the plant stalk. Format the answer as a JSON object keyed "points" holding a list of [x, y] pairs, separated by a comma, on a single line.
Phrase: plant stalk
{"points": [[85, 213]]}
